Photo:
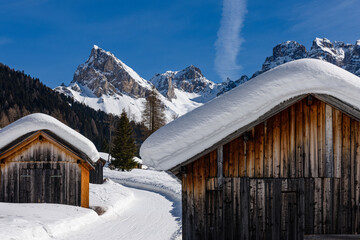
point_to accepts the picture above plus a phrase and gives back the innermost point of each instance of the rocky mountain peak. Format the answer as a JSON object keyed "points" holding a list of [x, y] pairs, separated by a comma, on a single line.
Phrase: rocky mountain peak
{"points": [[341, 54], [103, 73], [283, 53], [190, 80]]}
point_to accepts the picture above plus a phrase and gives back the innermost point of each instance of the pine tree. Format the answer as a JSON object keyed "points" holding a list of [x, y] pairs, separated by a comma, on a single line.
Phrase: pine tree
{"points": [[153, 114], [124, 145]]}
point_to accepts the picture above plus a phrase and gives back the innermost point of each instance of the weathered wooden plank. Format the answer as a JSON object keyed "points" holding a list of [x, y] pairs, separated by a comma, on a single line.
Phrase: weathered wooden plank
{"points": [[244, 205], [268, 155], [329, 147], [259, 150], [250, 155], [301, 209], [309, 205], [197, 201], [336, 206], [184, 204], [277, 205], [321, 138], [306, 140], [299, 140], [292, 142], [284, 142], [357, 177], [236, 153], [242, 158], [200, 208], [345, 174], [276, 145], [220, 156], [353, 131], [236, 208], [253, 209], [213, 164], [226, 160], [318, 201], [337, 141], [260, 209], [268, 208], [189, 219], [228, 209], [314, 168], [327, 205]]}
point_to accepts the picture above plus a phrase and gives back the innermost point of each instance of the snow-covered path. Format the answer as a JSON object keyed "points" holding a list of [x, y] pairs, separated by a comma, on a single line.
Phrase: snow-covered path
{"points": [[149, 216]]}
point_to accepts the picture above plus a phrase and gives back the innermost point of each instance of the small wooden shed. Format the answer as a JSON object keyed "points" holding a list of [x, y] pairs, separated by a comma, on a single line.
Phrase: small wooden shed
{"points": [[44, 166], [290, 168], [97, 174]]}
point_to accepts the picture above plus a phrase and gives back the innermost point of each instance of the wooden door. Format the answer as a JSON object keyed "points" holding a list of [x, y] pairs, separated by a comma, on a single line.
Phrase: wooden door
{"points": [[245, 208]]}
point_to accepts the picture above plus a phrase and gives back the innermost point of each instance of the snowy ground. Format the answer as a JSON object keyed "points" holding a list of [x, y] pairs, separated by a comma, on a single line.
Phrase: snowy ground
{"points": [[126, 213]]}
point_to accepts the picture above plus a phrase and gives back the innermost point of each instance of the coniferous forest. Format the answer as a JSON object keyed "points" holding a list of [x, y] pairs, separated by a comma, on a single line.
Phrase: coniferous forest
{"points": [[21, 95]]}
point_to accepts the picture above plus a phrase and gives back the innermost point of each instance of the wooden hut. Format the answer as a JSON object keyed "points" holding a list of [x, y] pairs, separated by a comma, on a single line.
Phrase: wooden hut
{"points": [[289, 167], [97, 174], [44, 161]]}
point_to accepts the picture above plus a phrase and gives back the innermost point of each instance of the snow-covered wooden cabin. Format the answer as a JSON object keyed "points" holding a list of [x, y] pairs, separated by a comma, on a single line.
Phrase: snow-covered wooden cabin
{"points": [[276, 158], [44, 161]]}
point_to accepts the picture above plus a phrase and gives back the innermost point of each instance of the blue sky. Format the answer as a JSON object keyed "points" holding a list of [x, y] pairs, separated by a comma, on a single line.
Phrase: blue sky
{"points": [[48, 39]]}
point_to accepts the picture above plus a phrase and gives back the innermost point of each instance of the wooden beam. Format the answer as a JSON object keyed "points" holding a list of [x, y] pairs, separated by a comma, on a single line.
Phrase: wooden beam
{"points": [[342, 106]]}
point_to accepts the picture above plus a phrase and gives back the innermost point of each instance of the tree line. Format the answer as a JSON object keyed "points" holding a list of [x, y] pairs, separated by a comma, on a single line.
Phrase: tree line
{"points": [[21, 95]]}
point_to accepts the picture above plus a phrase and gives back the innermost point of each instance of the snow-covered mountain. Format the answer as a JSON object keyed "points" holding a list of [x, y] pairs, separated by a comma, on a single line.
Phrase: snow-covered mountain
{"points": [[106, 83], [344, 55]]}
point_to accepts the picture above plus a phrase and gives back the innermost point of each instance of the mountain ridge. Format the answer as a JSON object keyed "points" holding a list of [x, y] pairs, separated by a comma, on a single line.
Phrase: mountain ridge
{"points": [[104, 82]]}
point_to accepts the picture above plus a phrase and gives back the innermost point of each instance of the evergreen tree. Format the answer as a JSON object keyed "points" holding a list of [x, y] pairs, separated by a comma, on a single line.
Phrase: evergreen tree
{"points": [[124, 145], [153, 114]]}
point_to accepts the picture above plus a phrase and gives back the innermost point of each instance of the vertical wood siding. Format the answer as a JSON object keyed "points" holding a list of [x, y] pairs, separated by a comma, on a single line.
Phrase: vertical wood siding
{"points": [[302, 162], [39, 173]]}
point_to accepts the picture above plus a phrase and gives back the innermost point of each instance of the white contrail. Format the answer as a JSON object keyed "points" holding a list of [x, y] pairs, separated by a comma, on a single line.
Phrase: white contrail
{"points": [[229, 40]]}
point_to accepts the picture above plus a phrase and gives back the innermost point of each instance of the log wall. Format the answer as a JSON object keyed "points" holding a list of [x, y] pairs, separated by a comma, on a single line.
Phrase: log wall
{"points": [[310, 145], [41, 172]]}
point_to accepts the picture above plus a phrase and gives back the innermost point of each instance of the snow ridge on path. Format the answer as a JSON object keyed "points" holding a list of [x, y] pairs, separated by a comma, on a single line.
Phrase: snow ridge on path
{"points": [[155, 181]]}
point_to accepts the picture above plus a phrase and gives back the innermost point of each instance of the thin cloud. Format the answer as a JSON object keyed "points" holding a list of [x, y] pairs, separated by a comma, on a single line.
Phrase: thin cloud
{"points": [[229, 40], [4, 40], [323, 15]]}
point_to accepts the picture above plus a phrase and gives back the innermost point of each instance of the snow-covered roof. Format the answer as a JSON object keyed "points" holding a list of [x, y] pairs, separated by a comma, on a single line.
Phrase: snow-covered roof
{"points": [[40, 121], [203, 127]]}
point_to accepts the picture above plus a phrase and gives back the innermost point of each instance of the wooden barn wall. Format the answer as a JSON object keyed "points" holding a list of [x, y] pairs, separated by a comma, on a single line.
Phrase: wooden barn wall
{"points": [[38, 173], [96, 175], [310, 143]]}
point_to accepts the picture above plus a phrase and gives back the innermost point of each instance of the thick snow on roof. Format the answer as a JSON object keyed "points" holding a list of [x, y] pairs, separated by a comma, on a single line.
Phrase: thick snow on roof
{"points": [[40, 121], [205, 126]]}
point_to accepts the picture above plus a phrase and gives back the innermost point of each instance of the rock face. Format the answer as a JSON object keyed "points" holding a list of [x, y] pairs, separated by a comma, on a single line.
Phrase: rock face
{"points": [[103, 73], [339, 53], [189, 80]]}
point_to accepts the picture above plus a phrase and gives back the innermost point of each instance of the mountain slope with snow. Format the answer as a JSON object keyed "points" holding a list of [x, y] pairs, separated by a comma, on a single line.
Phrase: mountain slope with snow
{"points": [[105, 83]]}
